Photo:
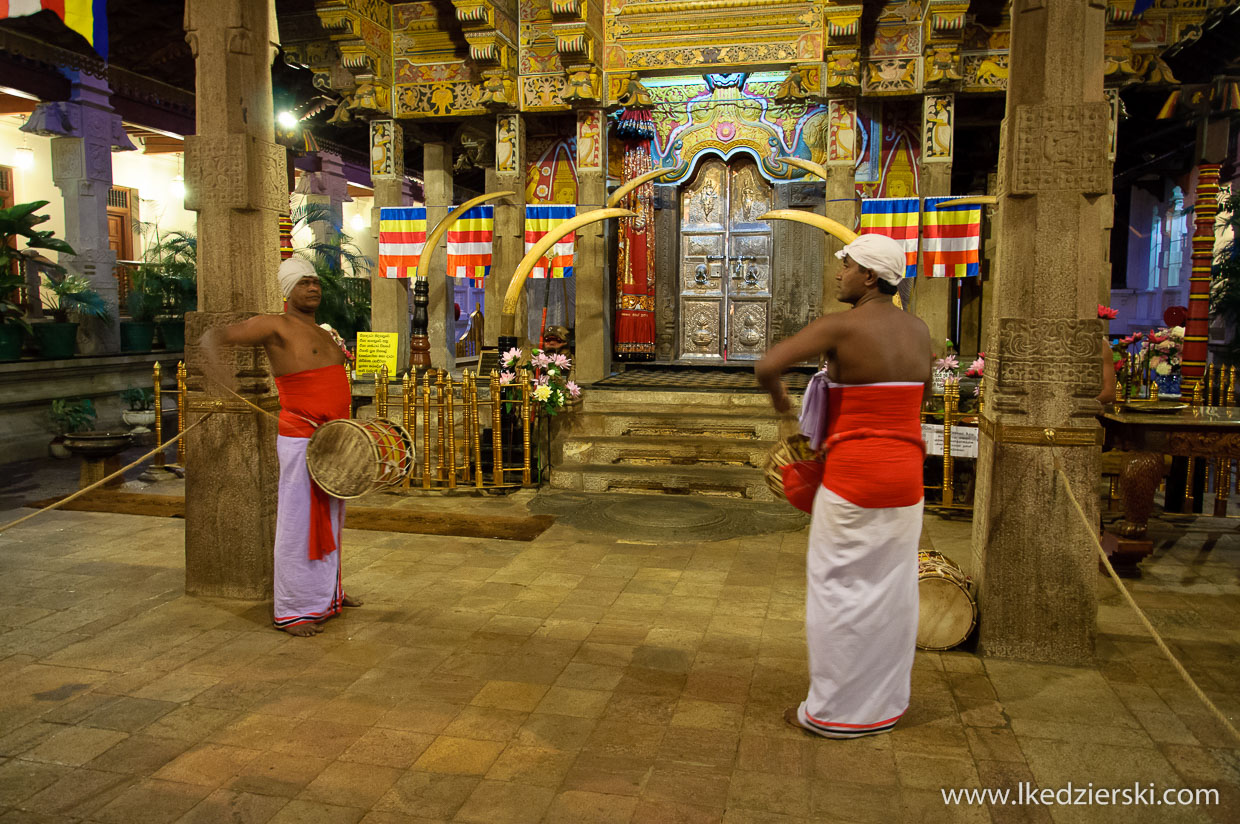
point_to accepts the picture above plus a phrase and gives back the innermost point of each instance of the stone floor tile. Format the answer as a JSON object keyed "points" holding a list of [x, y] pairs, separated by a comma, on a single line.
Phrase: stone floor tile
{"points": [[557, 732], [927, 806], [1055, 763], [1087, 733], [234, 808], [605, 654], [510, 695], [151, 802], [623, 738], [590, 677], [253, 730], [349, 784], [1009, 775], [639, 708], [993, 744], [707, 715], [671, 812], [27, 736], [714, 748], [74, 746], [834, 800], [923, 772], [275, 773], [459, 756], [138, 755], [501, 802], [208, 764], [576, 807], [178, 686], [1166, 728], [608, 774], [322, 738], [387, 747], [579, 703], [784, 756], [189, 723], [766, 792], [863, 761], [420, 716], [313, 812], [386, 817], [433, 795], [486, 723], [703, 788], [78, 793], [537, 766]]}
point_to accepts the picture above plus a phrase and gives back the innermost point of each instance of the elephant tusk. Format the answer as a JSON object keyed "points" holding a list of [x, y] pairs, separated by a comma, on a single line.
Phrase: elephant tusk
{"points": [[630, 185], [971, 200], [508, 322], [424, 262], [831, 227], [808, 165]]}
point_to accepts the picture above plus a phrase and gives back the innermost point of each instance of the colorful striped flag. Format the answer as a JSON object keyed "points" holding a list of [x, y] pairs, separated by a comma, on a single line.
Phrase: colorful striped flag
{"points": [[538, 221], [897, 218], [951, 238], [88, 18], [469, 244], [402, 235]]}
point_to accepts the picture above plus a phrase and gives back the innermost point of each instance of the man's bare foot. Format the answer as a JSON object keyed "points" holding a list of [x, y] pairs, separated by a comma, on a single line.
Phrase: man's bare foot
{"points": [[302, 630], [350, 601]]}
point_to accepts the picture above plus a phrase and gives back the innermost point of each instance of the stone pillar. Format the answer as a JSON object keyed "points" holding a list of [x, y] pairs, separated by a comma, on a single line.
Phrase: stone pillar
{"points": [[437, 172], [236, 181], [593, 326], [1035, 559], [509, 237], [841, 192], [389, 297], [933, 297], [84, 131]]}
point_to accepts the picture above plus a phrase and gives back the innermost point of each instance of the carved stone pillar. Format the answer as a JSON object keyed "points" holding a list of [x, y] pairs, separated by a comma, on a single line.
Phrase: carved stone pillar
{"points": [[593, 326], [508, 174], [389, 297], [932, 297], [437, 171], [84, 131], [841, 192], [236, 182], [1035, 559]]}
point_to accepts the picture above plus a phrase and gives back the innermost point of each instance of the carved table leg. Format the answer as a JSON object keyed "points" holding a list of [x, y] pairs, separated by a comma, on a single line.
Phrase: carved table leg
{"points": [[1127, 545]]}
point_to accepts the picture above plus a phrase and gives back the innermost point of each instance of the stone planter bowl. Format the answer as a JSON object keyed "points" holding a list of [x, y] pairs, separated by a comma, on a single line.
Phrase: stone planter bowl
{"points": [[97, 445]]}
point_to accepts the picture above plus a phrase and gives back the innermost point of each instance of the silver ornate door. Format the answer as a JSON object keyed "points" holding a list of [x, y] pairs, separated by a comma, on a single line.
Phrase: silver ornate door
{"points": [[725, 263]]}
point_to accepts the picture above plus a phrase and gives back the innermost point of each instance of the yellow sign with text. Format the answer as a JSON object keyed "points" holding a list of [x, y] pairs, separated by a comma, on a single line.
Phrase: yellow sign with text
{"points": [[374, 351]]}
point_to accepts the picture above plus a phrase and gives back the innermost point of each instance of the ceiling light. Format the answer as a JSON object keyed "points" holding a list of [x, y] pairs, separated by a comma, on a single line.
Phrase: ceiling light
{"points": [[23, 156], [287, 120], [176, 188], [357, 222]]}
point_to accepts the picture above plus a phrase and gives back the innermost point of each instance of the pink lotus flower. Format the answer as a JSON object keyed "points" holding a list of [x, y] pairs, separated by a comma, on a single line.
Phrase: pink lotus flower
{"points": [[947, 362], [542, 360], [1107, 313], [975, 368], [573, 389], [561, 361], [506, 378], [512, 356]]}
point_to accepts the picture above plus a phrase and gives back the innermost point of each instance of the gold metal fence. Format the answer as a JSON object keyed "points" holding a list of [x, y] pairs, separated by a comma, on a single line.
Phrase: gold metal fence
{"points": [[951, 417]]}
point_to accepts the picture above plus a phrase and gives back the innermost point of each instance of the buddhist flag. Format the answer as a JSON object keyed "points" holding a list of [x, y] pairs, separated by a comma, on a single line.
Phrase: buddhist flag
{"points": [[88, 18], [402, 235], [469, 244], [538, 221], [897, 218], [951, 237]]}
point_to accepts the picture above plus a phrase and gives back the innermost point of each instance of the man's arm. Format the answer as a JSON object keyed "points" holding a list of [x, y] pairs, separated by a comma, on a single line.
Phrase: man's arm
{"points": [[813, 340]]}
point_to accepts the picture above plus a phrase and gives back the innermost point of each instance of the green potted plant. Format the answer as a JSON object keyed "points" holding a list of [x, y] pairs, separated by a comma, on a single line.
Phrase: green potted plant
{"points": [[68, 300], [170, 271], [19, 222], [67, 416], [143, 302], [12, 322]]}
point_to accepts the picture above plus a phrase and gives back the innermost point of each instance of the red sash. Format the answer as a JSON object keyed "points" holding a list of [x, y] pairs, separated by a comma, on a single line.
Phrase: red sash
{"points": [[875, 452], [308, 399]]}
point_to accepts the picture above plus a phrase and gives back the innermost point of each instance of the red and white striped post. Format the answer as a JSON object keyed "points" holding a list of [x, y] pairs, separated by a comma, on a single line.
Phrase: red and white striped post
{"points": [[1197, 328]]}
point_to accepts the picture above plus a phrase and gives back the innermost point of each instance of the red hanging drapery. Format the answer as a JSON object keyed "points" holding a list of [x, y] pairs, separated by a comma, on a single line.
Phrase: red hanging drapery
{"points": [[635, 291]]}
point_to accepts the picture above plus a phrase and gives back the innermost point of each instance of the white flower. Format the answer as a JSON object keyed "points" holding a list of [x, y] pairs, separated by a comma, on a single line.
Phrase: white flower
{"points": [[1163, 368], [542, 393]]}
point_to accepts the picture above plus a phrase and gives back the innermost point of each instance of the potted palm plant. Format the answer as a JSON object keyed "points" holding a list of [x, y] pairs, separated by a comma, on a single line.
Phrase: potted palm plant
{"points": [[19, 222], [144, 300], [170, 272], [68, 299]]}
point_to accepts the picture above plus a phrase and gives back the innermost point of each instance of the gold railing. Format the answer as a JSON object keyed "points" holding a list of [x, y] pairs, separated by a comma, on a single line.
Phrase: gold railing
{"points": [[951, 417]]}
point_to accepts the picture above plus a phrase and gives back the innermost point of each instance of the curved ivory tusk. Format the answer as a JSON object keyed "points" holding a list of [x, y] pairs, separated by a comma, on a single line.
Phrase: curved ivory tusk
{"points": [[509, 321], [432, 239], [971, 200], [629, 186], [808, 165], [831, 227]]}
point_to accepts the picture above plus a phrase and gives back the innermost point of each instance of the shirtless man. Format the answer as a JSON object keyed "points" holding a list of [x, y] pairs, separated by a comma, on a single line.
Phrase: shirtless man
{"points": [[308, 368], [861, 565]]}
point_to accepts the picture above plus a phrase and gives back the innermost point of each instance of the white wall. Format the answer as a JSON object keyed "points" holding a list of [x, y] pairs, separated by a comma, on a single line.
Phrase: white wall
{"points": [[35, 183]]}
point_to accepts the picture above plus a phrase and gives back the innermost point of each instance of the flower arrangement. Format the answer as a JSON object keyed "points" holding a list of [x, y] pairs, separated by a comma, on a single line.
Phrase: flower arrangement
{"points": [[548, 375], [1165, 348]]}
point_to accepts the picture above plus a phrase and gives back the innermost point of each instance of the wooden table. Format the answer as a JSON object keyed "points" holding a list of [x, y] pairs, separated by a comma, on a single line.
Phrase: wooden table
{"points": [[1203, 432]]}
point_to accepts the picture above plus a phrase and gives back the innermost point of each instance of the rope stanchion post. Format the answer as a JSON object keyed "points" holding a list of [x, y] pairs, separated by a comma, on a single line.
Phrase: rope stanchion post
{"points": [[473, 411], [439, 433], [381, 392], [159, 413], [497, 452], [426, 432], [182, 407], [407, 416], [526, 422], [450, 415]]}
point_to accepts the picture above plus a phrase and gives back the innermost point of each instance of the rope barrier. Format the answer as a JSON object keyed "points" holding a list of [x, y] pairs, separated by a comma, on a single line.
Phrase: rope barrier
{"points": [[1145, 622], [103, 481]]}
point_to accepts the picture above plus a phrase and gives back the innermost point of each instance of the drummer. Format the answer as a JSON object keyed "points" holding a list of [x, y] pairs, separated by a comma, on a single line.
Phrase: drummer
{"points": [[861, 564], [308, 367]]}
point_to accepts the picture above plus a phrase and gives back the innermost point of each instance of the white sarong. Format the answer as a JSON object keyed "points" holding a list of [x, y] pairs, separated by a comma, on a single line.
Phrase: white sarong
{"points": [[860, 615], [305, 591]]}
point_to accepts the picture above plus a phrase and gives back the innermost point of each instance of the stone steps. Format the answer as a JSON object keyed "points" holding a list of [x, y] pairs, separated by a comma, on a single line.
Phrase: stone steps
{"points": [[666, 441]]}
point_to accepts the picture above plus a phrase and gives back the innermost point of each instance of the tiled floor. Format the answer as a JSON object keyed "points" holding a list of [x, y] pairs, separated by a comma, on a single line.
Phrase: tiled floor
{"points": [[583, 677]]}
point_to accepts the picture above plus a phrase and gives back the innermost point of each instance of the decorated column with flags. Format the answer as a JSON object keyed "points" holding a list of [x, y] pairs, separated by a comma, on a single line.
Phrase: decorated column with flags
{"points": [[951, 239], [470, 244], [540, 219], [402, 238]]}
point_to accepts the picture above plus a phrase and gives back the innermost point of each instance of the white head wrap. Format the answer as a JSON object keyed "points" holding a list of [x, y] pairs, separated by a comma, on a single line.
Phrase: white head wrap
{"points": [[879, 253], [293, 270]]}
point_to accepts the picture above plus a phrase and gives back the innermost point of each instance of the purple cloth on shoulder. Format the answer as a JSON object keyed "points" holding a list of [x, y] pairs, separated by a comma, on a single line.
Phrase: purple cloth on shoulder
{"points": [[814, 410]]}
